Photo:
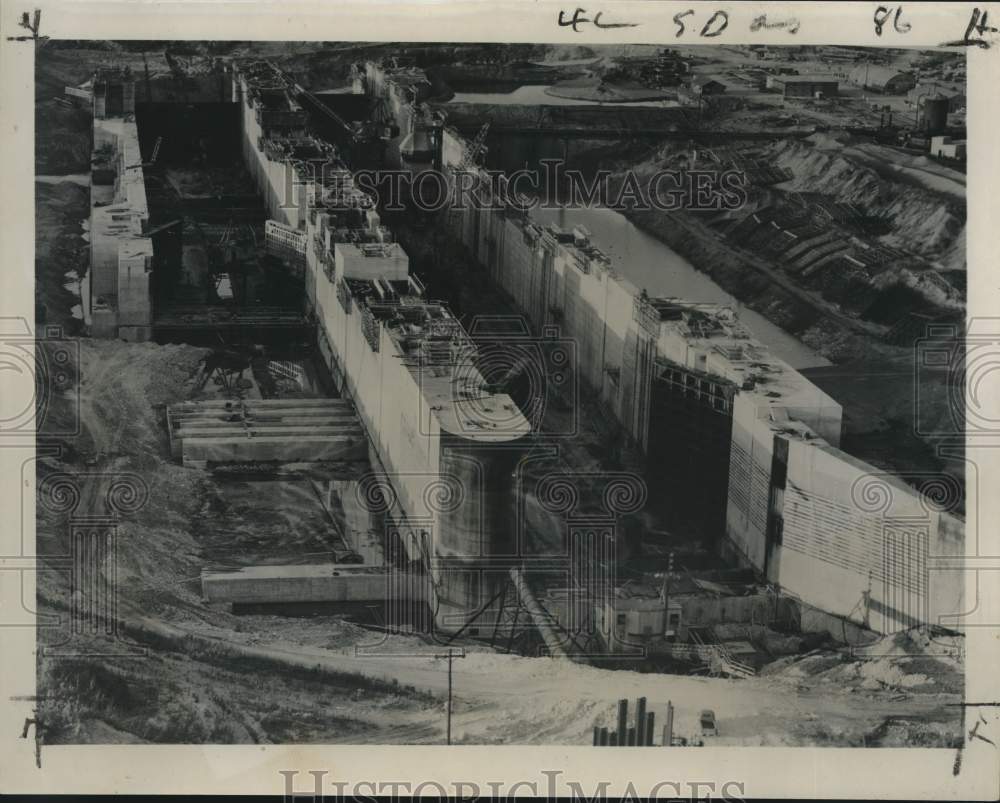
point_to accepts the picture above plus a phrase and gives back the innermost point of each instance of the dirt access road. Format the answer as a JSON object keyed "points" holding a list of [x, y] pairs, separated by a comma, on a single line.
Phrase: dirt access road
{"points": [[510, 699]]}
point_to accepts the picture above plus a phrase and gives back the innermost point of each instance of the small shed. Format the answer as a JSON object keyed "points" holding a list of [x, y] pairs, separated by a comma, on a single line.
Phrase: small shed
{"points": [[947, 148], [708, 86]]}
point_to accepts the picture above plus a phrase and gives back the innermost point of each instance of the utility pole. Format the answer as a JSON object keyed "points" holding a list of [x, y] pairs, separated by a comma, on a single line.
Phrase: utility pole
{"points": [[450, 655]]}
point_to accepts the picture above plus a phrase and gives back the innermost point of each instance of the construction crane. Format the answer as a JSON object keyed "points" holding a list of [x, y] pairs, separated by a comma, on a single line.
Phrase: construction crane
{"points": [[152, 158], [176, 69], [226, 368], [477, 148], [226, 234], [145, 66], [163, 227]]}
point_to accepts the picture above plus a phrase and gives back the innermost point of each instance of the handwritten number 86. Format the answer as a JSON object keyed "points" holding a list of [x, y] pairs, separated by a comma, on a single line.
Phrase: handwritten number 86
{"points": [[882, 16]]}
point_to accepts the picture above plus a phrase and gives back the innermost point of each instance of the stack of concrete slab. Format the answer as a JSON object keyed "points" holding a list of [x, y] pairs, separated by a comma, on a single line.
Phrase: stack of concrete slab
{"points": [[205, 434]]}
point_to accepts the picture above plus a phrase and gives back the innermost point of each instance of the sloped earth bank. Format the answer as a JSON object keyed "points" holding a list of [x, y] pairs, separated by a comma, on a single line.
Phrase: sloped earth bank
{"points": [[879, 429], [181, 672], [146, 686], [924, 202], [921, 202]]}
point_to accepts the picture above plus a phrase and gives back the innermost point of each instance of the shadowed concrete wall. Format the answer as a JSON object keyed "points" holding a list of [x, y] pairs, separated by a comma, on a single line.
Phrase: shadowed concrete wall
{"points": [[557, 285]]}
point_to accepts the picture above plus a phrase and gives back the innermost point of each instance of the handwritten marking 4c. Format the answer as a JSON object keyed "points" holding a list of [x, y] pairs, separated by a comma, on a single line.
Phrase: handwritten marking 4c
{"points": [[578, 19]]}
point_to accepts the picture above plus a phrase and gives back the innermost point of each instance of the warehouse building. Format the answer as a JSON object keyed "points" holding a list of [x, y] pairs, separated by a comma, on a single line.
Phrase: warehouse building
{"points": [[884, 80], [807, 86]]}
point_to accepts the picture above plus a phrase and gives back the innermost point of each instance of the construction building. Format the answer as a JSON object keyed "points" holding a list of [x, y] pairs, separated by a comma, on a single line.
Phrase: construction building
{"points": [[947, 148], [807, 86], [707, 85]]}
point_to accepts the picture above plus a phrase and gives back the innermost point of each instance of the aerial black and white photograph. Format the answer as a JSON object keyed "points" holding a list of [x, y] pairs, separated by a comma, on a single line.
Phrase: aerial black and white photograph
{"points": [[500, 394]]}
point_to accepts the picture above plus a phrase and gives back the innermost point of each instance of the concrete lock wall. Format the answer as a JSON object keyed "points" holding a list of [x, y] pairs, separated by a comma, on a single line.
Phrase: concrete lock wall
{"points": [[557, 286], [120, 256], [474, 501], [135, 312], [387, 398], [103, 246], [861, 544], [556, 283], [946, 589], [452, 496], [103, 255], [749, 483], [595, 309], [832, 549], [284, 195]]}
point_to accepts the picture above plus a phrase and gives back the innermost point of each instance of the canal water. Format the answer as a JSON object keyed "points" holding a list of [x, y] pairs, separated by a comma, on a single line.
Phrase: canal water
{"points": [[650, 264]]}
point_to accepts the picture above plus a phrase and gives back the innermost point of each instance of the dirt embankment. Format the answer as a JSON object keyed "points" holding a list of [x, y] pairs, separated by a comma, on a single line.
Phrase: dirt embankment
{"points": [[62, 133], [919, 204], [904, 668], [61, 253], [154, 683], [704, 248], [923, 203], [62, 143]]}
